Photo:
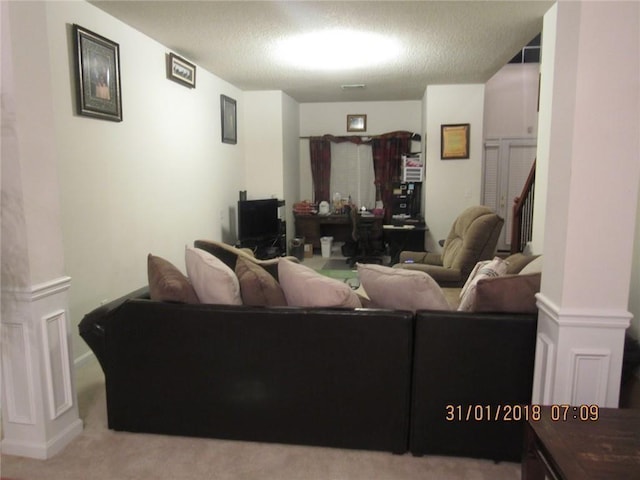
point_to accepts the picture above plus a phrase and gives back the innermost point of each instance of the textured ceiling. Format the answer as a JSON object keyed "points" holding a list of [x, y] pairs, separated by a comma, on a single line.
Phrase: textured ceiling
{"points": [[442, 42]]}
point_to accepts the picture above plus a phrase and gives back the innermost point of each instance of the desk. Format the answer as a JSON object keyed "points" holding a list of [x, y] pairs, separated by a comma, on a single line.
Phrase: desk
{"points": [[605, 449], [312, 227], [404, 237], [407, 236]]}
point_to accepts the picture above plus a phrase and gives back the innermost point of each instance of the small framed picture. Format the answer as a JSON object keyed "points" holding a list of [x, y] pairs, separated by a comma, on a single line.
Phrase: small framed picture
{"points": [[454, 141], [97, 75], [356, 123], [228, 120], [181, 71]]}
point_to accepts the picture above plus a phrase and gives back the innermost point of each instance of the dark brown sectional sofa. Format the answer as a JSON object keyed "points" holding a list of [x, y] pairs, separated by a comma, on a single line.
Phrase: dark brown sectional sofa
{"points": [[348, 378]]}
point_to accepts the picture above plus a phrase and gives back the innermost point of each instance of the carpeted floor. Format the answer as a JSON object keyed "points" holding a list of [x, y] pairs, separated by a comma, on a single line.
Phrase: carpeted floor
{"points": [[336, 264], [102, 454]]}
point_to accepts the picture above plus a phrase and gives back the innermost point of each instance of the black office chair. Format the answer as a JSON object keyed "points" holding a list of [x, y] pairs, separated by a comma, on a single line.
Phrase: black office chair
{"points": [[367, 245]]}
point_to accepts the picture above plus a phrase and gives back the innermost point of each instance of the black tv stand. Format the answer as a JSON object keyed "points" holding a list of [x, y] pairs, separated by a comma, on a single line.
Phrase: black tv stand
{"points": [[261, 228], [265, 248]]}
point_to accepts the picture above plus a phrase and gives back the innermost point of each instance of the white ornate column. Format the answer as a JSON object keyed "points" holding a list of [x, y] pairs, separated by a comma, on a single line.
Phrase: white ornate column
{"points": [[589, 92], [39, 408]]}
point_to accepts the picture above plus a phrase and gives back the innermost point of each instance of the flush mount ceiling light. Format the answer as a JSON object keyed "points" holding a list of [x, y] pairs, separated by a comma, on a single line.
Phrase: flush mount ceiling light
{"points": [[336, 50]]}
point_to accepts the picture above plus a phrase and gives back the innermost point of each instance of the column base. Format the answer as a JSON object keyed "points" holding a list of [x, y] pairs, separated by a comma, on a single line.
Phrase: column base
{"points": [[578, 355]]}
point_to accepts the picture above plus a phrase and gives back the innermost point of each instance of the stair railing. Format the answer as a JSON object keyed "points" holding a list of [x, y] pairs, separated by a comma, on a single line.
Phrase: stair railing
{"points": [[522, 214]]}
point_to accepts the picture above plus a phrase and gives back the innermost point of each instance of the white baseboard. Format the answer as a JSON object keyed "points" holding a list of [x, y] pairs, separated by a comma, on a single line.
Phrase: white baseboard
{"points": [[42, 451], [82, 359]]}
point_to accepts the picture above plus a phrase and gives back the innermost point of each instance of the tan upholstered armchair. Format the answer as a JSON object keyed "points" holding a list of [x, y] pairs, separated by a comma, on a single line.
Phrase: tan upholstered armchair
{"points": [[473, 237]]}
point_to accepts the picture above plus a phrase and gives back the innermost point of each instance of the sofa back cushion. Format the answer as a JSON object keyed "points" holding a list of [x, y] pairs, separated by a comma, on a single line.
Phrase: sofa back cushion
{"points": [[517, 261], [401, 289], [257, 286], [167, 283], [213, 281], [535, 266], [304, 287]]}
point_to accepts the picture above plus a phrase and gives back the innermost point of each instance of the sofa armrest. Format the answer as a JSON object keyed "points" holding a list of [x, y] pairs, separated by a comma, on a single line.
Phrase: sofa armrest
{"points": [[466, 359], [93, 325]]}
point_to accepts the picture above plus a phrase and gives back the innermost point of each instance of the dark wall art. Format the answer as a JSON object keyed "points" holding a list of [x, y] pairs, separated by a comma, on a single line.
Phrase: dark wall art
{"points": [[97, 75]]}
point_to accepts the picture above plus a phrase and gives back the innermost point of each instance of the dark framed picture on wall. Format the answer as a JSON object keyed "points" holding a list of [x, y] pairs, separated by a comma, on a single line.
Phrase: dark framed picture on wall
{"points": [[228, 120], [356, 123], [454, 141], [181, 71], [97, 75]]}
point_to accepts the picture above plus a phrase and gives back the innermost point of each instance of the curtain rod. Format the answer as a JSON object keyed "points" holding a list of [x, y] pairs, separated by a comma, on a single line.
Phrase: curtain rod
{"points": [[415, 136]]}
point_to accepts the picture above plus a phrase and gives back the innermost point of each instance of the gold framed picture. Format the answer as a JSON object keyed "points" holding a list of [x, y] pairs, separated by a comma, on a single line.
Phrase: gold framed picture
{"points": [[454, 141], [356, 123]]}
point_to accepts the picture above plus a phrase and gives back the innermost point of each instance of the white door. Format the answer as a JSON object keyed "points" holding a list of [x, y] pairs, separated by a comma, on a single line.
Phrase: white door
{"points": [[507, 163]]}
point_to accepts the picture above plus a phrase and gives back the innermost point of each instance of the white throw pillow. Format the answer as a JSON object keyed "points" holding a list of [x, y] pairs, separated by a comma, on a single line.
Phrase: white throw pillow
{"points": [[213, 281], [304, 287], [401, 289], [495, 268], [472, 275]]}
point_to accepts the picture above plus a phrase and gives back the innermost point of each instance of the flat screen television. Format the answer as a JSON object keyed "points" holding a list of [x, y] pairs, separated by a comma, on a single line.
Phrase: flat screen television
{"points": [[258, 219]]}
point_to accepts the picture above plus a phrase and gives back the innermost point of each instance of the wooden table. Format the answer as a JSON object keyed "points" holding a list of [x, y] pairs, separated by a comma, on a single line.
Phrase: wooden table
{"points": [[569, 444]]}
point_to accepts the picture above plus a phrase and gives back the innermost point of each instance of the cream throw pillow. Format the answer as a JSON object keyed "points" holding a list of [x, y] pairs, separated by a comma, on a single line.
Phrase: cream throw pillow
{"points": [[495, 268], [401, 289], [304, 287], [472, 275], [213, 281]]}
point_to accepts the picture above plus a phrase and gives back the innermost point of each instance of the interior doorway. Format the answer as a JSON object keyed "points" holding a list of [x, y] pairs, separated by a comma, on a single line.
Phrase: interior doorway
{"points": [[507, 162]]}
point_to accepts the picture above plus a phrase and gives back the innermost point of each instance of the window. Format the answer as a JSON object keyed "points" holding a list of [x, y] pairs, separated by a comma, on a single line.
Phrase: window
{"points": [[352, 173]]}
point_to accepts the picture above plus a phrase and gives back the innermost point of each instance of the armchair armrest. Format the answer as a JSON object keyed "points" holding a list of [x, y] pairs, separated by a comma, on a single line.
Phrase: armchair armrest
{"points": [[445, 277], [428, 258]]}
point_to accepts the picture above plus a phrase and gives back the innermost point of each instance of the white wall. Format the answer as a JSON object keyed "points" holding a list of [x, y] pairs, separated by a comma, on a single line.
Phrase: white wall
{"points": [[317, 119], [291, 158], [272, 169], [547, 75], [511, 100], [451, 185], [31, 211], [150, 184], [634, 289], [264, 153], [591, 202]]}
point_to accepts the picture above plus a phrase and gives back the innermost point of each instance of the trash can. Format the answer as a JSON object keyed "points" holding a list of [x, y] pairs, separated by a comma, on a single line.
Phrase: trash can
{"points": [[296, 247], [325, 244]]}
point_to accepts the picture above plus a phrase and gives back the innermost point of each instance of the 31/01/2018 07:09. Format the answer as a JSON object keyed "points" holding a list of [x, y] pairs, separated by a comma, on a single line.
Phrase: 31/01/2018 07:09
{"points": [[516, 413]]}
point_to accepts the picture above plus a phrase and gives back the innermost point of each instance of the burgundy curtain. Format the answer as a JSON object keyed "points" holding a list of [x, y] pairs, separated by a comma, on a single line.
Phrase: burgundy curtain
{"points": [[320, 152], [387, 151]]}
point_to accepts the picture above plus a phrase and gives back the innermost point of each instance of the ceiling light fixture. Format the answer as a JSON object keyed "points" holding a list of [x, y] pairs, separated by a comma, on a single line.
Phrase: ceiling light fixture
{"points": [[336, 50], [353, 86]]}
